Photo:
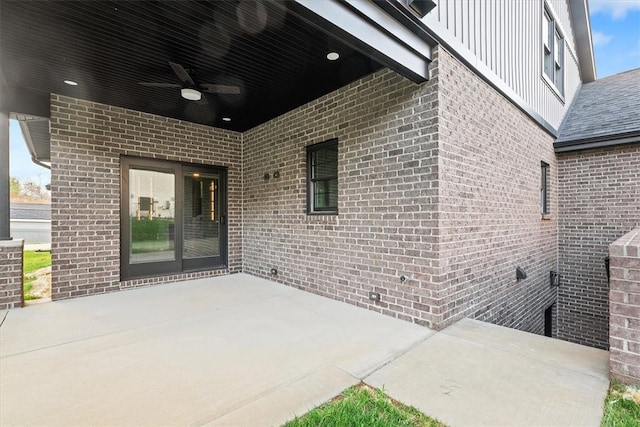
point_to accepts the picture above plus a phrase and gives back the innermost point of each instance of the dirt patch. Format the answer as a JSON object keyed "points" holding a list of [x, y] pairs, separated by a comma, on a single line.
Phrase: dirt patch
{"points": [[41, 286]]}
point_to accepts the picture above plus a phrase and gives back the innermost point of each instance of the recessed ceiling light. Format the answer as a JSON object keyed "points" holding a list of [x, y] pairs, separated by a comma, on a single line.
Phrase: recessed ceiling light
{"points": [[226, 119], [71, 83], [332, 56]]}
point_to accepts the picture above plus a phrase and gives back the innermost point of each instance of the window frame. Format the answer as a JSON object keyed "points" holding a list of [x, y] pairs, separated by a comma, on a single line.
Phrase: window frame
{"points": [[311, 208], [544, 188], [552, 34], [131, 271]]}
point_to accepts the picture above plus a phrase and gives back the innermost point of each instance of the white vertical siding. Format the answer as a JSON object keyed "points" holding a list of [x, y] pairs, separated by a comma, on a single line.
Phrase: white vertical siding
{"points": [[504, 38]]}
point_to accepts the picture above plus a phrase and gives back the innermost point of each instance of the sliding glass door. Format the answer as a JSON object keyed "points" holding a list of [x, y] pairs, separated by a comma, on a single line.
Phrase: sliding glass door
{"points": [[173, 218], [202, 220]]}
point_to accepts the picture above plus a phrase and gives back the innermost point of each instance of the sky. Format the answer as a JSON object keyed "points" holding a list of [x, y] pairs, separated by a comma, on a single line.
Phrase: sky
{"points": [[615, 27]]}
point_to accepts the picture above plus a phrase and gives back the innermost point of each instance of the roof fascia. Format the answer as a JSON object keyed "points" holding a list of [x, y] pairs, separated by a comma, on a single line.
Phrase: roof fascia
{"points": [[597, 142], [579, 10], [368, 29], [23, 121]]}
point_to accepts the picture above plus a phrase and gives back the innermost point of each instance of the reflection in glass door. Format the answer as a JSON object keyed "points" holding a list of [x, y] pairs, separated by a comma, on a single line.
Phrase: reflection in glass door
{"points": [[173, 218], [151, 216], [201, 215]]}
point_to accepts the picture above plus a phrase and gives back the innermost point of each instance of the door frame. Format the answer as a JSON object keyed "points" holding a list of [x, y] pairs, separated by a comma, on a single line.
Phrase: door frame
{"points": [[130, 271]]}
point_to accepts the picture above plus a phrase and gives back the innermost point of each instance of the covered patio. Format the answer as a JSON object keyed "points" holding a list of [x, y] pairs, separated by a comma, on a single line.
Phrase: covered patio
{"points": [[242, 351]]}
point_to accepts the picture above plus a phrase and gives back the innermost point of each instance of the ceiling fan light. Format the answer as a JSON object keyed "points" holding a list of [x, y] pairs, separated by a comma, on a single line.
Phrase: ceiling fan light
{"points": [[191, 94]]}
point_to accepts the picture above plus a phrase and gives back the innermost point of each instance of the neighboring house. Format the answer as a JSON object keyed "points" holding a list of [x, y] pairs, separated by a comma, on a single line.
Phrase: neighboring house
{"points": [[414, 176], [31, 222]]}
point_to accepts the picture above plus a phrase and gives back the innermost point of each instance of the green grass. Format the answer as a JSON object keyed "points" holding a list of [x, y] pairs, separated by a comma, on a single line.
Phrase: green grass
{"points": [[150, 235], [365, 407], [33, 260], [618, 411]]}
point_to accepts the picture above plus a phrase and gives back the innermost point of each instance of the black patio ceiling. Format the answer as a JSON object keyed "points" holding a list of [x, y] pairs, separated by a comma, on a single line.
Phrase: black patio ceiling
{"points": [[108, 47]]}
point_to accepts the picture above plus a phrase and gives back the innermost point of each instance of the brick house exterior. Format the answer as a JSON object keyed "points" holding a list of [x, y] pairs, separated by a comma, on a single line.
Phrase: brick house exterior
{"points": [[409, 198], [598, 154], [439, 183], [87, 141], [599, 193]]}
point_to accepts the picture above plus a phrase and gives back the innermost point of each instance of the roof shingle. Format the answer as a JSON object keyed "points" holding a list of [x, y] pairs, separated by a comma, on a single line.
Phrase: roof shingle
{"points": [[606, 107]]}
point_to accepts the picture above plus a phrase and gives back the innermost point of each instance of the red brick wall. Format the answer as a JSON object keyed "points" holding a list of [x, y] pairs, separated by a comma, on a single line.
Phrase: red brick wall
{"points": [[489, 216], [87, 140], [11, 274], [624, 306], [599, 201]]}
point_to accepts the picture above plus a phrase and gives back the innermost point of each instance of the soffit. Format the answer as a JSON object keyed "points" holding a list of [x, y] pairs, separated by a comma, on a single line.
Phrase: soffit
{"points": [[276, 59]]}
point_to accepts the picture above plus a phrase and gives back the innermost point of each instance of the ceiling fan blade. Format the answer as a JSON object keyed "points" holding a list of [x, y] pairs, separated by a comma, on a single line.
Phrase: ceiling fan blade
{"points": [[182, 74], [224, 89], [160, 84]]}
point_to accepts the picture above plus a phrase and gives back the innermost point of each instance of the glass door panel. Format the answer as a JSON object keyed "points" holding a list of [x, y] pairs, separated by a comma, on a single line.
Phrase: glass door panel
{"points": [[201, 220], [151, 216]]}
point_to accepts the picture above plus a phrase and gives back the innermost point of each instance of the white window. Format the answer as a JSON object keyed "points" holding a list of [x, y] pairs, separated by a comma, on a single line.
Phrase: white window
{"points": [[553, 50]]}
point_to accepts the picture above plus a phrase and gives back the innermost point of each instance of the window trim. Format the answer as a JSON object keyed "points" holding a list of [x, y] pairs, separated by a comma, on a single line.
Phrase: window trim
{"points": [[311, 210], [559, 90]]}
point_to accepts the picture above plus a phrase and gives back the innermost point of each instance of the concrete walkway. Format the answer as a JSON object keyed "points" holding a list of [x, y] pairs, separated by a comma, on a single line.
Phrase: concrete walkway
{"points": [[242, 351], [477, 374]]}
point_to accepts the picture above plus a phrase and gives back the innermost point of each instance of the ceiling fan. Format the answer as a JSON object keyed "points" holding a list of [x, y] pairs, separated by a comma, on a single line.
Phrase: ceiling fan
{"points": [[192, 91]]}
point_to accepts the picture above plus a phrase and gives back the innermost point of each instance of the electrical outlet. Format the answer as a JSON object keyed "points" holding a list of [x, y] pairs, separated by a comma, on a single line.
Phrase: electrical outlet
{"points": [[374, 296]]}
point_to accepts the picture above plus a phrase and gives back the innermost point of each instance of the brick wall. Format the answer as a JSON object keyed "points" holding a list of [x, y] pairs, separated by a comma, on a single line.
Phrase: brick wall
{"points": [[624, 351], [87, 140], [599, 199], [489, 217], [11, 274], [386, 129], [439, 182]]}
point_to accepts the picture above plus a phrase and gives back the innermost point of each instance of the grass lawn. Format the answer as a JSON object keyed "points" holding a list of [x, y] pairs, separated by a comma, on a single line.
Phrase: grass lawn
{"points": [[620, 410], [33, 260], [363, 406]]}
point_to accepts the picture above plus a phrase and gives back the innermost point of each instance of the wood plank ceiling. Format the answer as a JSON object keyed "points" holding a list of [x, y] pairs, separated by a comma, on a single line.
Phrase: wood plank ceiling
{"points": [[109, 47]]}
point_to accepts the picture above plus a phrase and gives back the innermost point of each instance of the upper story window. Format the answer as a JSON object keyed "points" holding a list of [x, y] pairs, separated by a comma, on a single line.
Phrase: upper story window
{"points": [[553, 49], [322, 178]]}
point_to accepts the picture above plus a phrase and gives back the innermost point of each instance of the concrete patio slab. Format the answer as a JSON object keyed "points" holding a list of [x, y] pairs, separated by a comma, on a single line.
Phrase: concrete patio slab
{"points": [[233, 350], [242, 351], [477, 374]]}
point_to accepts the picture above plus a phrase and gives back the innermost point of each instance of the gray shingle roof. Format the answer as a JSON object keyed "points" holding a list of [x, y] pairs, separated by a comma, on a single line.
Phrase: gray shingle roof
{"points": [[606, 107], [38, 211]]}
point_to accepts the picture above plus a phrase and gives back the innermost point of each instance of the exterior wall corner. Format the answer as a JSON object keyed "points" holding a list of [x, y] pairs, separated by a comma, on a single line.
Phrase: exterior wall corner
{"points": [[11, 274], [624, 308]]}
